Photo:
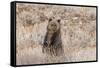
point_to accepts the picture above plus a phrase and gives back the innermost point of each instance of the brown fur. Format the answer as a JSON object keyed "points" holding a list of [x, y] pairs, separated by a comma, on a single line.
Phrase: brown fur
{"points": [[52, 43]]}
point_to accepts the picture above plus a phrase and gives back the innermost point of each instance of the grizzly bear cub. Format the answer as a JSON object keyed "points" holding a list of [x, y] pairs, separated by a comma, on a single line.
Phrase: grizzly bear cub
{"points": [[52, 42]]}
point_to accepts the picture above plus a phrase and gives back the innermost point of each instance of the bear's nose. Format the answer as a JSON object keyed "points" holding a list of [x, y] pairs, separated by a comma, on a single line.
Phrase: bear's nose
{"points": [[53, 24]]}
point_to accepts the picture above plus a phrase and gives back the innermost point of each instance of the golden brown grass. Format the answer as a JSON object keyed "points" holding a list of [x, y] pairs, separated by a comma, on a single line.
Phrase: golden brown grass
{"points": [[78, 31]]}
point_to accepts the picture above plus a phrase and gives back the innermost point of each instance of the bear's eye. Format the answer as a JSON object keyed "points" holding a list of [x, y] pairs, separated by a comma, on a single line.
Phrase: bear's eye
{"points": [[50, 19], [58, 20]]}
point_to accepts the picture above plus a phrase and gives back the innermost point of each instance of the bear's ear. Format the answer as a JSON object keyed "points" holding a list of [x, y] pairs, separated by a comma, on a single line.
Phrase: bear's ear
{"points": [[50, 19], [58, 20]]}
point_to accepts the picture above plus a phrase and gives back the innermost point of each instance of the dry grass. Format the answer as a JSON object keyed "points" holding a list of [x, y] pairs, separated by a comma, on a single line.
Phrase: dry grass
{"points": [[78, 31]]}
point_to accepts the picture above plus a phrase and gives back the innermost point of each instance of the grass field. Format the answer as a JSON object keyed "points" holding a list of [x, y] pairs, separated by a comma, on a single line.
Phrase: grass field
{"points": [[78, 33]]}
